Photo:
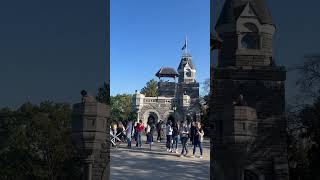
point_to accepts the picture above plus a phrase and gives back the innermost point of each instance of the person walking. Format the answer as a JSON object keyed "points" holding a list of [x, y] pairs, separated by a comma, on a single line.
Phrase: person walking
{"points": [[169, 136], [149, 135], [192, 132], [129, 132], [158, 126], [175, 137], [139, 129], [135, 133], [114, 131], [184, 131], [162, 130], [198, 139], [152, 131], [120, 131]]}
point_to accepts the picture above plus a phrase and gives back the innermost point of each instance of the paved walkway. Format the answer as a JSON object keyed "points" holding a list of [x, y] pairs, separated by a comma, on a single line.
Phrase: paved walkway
{"points": [[156, 164]]}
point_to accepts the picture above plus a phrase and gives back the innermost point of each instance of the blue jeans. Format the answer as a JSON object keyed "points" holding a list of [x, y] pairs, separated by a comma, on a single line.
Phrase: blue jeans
{"points": [[184, 145], [175, 142], [195, 144], [139, 143], [129, 140]]}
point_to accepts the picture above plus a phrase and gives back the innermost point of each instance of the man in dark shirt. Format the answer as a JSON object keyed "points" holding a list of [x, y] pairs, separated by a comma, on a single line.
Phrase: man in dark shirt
{"points": [[192, 132]]}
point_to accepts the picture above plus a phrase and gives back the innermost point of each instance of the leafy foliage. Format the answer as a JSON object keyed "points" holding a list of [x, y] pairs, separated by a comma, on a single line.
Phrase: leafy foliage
{"points": [[103, 95], [36, 143], [151, 89], [121, 107], [304, 124], [309, 81]]}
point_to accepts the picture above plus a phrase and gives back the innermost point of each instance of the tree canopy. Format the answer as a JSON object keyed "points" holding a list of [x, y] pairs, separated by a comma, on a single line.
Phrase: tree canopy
{"points": [[36, 143], [121, 107], [150, 89], [304, 123], [103, 95]]}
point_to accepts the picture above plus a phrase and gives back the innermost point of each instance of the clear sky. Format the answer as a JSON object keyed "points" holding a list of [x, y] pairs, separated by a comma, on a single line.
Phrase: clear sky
{"points": [[51, 50], [149, 34], [54, 49]]}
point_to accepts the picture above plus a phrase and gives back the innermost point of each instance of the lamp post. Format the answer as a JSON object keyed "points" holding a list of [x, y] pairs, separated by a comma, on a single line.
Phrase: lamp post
{"points": [[174, 113]]}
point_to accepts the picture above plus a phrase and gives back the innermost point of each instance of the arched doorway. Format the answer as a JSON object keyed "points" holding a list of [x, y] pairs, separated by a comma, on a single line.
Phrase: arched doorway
{"points": [[171, 119], [152, 118]]}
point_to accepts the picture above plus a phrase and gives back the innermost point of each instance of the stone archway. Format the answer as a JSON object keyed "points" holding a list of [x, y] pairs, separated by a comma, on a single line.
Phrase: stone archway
{"points": [[151, 116], [167, 114]]}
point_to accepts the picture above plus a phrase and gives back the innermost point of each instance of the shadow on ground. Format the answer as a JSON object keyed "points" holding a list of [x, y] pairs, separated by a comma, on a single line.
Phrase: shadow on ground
{"points": [[143, 164]]}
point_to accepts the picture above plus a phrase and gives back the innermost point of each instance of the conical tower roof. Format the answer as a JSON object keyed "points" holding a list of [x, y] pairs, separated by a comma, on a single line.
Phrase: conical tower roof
{"points": [[232, 10], [187, 59]]}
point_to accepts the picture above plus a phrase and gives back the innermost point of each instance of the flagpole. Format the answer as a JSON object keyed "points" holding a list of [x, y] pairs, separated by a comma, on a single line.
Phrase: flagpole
{"points": [[186, 44]]}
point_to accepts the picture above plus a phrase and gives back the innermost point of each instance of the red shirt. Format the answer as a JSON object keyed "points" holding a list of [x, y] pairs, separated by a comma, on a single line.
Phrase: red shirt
{"points": [[140, 127]]}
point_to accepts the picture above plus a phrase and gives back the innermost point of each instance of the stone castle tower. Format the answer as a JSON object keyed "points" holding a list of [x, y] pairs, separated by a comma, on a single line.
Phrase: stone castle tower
{"points": [[248, 97], [178, 98]]}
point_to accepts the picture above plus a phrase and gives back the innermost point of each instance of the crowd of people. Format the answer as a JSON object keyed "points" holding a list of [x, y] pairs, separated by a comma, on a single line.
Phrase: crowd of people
{"points": [[172, 132]]}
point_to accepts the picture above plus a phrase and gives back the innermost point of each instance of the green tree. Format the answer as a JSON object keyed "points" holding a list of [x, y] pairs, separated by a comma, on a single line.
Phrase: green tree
{"points": [[103, 95], [36, 143], [121, 107], [151, 89]]}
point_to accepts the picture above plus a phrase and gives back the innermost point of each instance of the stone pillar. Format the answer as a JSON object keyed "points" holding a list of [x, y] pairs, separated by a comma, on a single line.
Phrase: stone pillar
{"points": [[91, 135]]}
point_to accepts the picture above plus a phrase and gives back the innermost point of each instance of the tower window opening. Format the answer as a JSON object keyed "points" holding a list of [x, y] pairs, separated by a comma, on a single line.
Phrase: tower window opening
{"points": [[251, 38], [251, 41]]}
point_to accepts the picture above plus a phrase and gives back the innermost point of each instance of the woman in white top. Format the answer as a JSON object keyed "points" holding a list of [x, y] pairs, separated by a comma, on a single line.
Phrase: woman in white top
{"points": [[169, 131]]}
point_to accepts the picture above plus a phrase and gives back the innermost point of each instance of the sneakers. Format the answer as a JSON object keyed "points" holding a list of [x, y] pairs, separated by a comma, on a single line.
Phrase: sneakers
{"points": [[201, 157], [167, 150], [177, 151], [158, 141], [192, 156]]}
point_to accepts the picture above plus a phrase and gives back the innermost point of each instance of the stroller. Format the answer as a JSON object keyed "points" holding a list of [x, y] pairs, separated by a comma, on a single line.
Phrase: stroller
{"points": [[114, 137]]}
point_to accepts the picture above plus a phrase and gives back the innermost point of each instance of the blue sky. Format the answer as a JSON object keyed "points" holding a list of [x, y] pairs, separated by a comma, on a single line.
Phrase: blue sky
{"points": [[54, 49], [149, 34]]}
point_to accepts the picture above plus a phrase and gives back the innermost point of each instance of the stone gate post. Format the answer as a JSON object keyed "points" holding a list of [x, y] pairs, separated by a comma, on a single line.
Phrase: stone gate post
{"points": [[91, 135]]}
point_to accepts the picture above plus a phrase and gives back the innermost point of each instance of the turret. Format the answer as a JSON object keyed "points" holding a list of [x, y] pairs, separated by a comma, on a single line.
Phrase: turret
{"points": [[246, 29]]}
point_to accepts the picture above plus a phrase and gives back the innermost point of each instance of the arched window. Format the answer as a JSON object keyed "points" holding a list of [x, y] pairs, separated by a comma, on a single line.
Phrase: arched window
{"points": [[188, 73], [251, 38], [251, 27]]}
